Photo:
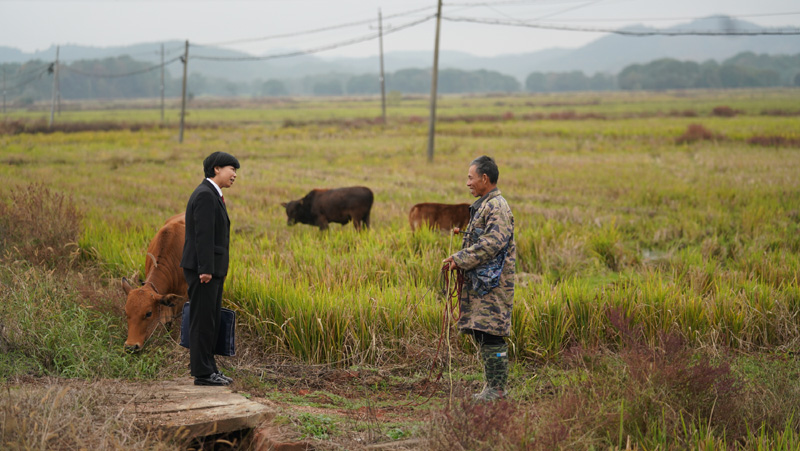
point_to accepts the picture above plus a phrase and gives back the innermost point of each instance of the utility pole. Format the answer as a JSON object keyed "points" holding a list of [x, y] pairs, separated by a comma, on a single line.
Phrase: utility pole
{"points": [[185, 60], [434, 79], [383, 79], [58, 92], [162, 84], [55, 88]]}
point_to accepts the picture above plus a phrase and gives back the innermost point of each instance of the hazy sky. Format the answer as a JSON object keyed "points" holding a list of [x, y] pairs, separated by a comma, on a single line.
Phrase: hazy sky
{"points": [[36, 25]]}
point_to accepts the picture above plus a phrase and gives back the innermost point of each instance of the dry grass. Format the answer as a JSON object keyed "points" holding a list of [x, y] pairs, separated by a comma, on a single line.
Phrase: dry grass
{"points": [[40, 225], [55, 414]]}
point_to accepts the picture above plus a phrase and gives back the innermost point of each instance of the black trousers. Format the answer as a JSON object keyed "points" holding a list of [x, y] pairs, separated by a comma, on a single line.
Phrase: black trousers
{"points": [[483, 338], [204, 320]]}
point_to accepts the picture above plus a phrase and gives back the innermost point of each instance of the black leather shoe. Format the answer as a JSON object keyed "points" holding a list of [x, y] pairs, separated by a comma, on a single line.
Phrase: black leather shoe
{"points": [[224, 377], [214, 379]]}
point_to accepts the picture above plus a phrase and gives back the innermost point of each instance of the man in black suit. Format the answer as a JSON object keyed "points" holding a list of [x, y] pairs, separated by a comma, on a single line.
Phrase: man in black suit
{"points": [[205, 264]]}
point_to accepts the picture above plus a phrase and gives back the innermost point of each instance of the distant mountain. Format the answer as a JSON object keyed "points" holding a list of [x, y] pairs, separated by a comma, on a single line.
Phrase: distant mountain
{"points": [[612, 53], [609, 54]]}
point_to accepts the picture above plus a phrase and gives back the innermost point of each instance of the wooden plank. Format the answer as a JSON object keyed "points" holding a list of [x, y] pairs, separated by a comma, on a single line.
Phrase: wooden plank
{"points": [[180, 409]]}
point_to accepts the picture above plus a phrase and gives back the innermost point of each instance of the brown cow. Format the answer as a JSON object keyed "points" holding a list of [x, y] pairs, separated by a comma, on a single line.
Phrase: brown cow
{"points": [[323, 206], [442, 216], [161, 297]]}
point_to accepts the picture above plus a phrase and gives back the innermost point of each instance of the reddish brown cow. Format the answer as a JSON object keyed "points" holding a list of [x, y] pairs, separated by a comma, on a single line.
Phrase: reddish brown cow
{"points": [[320, 207], [161, 297], [442, 216]]}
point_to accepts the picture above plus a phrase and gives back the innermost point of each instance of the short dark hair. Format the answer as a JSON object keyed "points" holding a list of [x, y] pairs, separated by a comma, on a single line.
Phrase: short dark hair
{"points": [[218, 159], [486, 165]]}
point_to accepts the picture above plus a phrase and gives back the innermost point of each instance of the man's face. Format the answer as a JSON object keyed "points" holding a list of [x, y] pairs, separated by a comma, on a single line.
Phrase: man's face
{"points": [[478, 184], [225, 177]]}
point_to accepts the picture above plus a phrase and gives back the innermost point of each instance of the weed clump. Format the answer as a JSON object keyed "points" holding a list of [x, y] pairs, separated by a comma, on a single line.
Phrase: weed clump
{"points": [[39, 225], [670, 378], [773, 141], [779, 112], [697, 132], [724, 111], [17, 127], [478, 426]]}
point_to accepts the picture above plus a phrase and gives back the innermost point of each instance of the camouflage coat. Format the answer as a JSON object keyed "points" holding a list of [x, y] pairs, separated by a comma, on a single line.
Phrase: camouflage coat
{"points": [[487, 256]]}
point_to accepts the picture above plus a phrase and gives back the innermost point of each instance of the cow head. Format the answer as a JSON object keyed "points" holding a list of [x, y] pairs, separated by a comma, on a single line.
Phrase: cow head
{"points": [[146, 309], [292, 211]]}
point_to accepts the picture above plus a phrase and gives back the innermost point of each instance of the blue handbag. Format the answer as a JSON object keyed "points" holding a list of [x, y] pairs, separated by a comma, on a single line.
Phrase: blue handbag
{"points": [[226, 339]]}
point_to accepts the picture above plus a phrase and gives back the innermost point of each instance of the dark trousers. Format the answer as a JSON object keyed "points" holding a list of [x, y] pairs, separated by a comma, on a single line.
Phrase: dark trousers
{"points": [[204, 320], [483, 338]]}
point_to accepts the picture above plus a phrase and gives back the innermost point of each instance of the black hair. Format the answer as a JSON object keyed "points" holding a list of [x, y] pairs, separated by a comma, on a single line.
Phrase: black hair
{"points": [[486, 165], [218, 159]]}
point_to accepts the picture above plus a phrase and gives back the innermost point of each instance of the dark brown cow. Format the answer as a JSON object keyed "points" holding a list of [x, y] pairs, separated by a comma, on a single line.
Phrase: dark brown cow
{"points": [[323, 206], [161, 297], [442, 216]]}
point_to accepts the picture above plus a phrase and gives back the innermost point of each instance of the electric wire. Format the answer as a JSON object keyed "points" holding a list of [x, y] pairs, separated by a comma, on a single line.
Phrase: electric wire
{"points": [[35, 77], [672, 19], [127, 74], [25, 71], [313, 31], [317, 49], [638, 33]]}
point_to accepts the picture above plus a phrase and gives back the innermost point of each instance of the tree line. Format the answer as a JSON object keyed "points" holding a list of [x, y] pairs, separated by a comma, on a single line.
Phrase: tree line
{"points": [[98, 79]]}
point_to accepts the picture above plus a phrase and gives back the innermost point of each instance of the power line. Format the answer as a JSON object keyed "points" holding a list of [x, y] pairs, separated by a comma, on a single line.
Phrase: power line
{"points": [[317, 49], [671, 19], [137, 72], [508, 2], [315, 30], [26, 70], [786, 32], [572, 8], [35, 77]]}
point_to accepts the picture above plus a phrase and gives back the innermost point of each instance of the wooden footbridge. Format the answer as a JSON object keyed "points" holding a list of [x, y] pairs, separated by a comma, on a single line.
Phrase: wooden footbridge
{"points": [[178, 409]]}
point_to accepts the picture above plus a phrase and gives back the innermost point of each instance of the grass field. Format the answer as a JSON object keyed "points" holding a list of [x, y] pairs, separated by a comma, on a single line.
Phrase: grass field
{"points": [[670, 269]]}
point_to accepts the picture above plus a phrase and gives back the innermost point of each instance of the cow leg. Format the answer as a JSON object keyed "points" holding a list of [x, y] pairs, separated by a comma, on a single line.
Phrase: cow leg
{"points": [[322, 223]]}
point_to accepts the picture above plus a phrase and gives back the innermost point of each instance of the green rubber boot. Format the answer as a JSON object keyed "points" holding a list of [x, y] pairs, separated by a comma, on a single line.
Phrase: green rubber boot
{"points": [[495, 367]]}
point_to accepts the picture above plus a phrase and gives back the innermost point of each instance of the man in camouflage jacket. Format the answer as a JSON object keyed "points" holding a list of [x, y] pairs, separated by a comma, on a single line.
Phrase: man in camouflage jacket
{"points": [[487, 257]]}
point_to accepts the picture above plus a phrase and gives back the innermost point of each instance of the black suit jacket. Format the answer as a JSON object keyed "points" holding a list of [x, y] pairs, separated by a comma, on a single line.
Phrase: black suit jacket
{"points": [[205, 250]]}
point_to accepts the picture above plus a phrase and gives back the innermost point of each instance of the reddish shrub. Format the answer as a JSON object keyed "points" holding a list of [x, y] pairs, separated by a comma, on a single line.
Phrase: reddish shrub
{"points": [[779, 112], [341, 123], [41, 126], [723, 111], [693, 385], [773, 141], [563, 115], [478, 426], [697, 132], [684, 113]]}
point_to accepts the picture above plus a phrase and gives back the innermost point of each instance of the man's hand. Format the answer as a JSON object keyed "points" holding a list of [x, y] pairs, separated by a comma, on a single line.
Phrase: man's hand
{"points": [[205, 278], [449, 264]]}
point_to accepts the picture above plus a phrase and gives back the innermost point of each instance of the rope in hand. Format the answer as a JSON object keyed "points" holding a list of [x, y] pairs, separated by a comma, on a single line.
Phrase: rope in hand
{"points": [[452, 282]]}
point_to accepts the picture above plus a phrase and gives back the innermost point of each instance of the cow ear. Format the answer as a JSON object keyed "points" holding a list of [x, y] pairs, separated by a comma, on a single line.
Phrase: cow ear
{"points": [[284, 204], [171, 299], [126, 287]]}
